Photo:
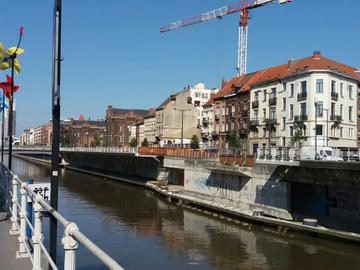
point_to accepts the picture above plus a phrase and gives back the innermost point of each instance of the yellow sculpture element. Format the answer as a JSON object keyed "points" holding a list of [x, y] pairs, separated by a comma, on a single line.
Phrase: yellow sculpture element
{"points": [[5, 58]]}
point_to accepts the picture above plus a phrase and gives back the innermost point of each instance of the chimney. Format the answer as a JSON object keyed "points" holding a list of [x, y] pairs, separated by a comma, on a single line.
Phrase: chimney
{"points": [[291, 62], [317, 55]]}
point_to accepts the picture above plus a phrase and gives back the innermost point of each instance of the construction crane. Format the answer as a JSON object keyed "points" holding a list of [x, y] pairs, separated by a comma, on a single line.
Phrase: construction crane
{"points": [[242, 7]]}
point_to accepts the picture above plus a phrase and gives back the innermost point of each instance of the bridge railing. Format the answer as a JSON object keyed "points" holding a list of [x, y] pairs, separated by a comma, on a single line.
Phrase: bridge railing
{"points": [[71, 238]]}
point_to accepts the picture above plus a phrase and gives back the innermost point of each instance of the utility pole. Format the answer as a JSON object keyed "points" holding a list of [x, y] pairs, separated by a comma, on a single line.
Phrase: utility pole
{"points": [[315, 131], [3, 127], [56, 125]]}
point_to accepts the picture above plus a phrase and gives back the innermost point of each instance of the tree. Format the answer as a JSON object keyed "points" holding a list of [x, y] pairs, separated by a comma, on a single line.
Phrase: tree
{"points": [[97, 140], [145, 143], [133, 142], [234, 140], [65, 138], [296, 138], [194, 142]]}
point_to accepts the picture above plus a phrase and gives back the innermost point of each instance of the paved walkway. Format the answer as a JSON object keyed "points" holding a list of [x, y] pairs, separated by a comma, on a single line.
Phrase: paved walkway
{"points": [[9, 245]]}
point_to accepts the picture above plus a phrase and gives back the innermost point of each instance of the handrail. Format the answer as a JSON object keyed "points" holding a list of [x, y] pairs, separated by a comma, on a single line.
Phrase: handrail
{"points": [[72, 234]]}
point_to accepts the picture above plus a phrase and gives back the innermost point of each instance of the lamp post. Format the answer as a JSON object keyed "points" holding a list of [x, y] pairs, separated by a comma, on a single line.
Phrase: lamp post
{"points": [[182, 124], [327, 127], [316, 106], [3, 127], [56, 125]]}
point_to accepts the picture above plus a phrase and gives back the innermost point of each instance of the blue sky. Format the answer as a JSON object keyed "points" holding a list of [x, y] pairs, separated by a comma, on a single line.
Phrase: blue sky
{"points": [[114, 53]]}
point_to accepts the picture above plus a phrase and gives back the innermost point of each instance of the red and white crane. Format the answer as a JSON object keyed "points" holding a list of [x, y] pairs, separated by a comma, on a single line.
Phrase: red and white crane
{"points": [[243, 7]]}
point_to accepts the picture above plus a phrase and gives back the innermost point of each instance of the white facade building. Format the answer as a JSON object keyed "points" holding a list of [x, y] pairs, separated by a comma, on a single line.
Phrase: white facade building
{"points": [[285, 96], [150, 128], [199, 96]]}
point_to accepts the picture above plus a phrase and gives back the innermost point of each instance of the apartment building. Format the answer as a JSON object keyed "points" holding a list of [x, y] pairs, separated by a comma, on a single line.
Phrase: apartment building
{"points": [[315, 95], [117, 122], [150, 127], [176, 120]]}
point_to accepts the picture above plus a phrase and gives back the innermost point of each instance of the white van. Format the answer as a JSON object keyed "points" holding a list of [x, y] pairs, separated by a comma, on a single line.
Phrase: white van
{"points": [[324, 153]]}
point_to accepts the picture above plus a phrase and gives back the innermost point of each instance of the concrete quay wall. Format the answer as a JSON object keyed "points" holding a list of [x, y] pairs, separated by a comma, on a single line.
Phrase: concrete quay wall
{"points": [[256, 191], [118, 164]]}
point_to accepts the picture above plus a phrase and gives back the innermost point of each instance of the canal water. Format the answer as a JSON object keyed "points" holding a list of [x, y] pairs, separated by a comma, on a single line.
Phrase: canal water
{"points": [[143, 231]]}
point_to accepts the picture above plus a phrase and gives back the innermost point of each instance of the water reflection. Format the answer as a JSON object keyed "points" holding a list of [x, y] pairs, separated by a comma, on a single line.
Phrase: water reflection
{"points": [[143, 231]]}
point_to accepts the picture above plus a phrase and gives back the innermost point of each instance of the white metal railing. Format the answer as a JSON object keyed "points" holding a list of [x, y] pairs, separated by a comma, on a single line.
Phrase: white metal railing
{"points": [[71, 238], [101, 149]]}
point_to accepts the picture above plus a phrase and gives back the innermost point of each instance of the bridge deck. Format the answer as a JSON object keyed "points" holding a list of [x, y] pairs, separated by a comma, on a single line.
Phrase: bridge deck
{"points": [[9, 245]]}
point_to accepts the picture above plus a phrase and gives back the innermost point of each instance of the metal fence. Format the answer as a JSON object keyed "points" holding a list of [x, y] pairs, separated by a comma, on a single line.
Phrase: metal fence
{"points": [[71, 239]]}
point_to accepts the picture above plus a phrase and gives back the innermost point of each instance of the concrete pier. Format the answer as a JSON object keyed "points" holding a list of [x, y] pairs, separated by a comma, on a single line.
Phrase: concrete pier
{"points": [[9, 246]]}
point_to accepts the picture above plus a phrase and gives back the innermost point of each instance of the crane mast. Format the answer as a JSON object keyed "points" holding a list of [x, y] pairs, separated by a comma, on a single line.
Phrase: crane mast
{"points": [[243, 8]]}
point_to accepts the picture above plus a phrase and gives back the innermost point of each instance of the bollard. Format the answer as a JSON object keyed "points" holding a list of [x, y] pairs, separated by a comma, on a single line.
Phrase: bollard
{"points": [[14, 217], [37, 236], [70, 245], [21, 253]]}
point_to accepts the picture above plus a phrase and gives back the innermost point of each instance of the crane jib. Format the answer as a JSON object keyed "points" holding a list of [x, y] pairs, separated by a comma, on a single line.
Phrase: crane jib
{"points": [[215, 14]]}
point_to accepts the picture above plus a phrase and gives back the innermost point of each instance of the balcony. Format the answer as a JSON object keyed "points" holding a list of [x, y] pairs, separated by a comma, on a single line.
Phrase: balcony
{"points": [[302, 96], [271, 121], [254, 123], [255, 104], [272, 101], [300, 118], [334, 96], [205, 120], [336, 118], [215, 134], [217, 117]]}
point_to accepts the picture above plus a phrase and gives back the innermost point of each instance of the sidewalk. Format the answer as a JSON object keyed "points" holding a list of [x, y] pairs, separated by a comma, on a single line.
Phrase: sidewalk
{"points": [[9, 245]]}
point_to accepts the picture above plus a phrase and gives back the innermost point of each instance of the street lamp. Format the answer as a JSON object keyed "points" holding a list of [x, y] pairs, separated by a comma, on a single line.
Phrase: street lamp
{"points": [[182, 124]]}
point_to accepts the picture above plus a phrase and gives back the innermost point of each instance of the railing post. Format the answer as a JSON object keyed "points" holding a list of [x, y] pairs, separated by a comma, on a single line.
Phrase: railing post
{"points": [[70, 245], [37, 236], [14, 199], [21, 253]]}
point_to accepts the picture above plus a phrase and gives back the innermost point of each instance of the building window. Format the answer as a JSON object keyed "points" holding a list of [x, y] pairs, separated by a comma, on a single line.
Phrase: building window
{"points": [[227, 110], [303, 108], [283, 123], [341, 132], [291, 93], [284, 86], [233, 109], [284, 104], [273, 113], [319, 85], [350, 113], [319, 130], [351, 131], [222, 111], [341, 111], [264, 113], [332, 108], [350, 92], [273, 93], [197, 103], [319, 109], [333, 86], [291, 111], [291, 131], [256, 96], [264, 99], [205, 95], [303, 87], [256, 115], [341, 89]]}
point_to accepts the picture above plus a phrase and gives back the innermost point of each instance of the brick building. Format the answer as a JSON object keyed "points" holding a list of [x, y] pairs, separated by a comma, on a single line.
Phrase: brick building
{"points": [[117, 123]]}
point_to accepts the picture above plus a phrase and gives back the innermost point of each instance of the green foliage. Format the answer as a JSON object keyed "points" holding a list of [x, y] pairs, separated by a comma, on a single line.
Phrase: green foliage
{"points": [[133, 142], [194, 142], [97, 140], [65, 138], [234, 141], [145, 143], [296, 138]]}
